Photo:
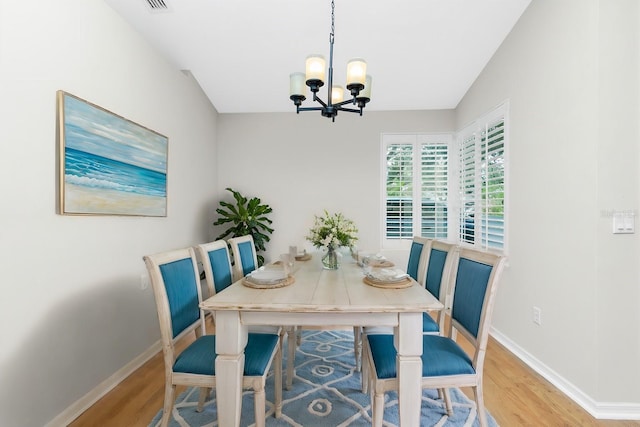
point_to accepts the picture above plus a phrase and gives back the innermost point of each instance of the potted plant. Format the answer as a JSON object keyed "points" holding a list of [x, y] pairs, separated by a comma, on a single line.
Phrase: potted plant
{"points": [[246, 216]]}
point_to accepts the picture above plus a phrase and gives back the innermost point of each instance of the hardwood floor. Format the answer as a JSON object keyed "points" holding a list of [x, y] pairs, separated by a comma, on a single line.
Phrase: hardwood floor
{"points": [[514, 394]]}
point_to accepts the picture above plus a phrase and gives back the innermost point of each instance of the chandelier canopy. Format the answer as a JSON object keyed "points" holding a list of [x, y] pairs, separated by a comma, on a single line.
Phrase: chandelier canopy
{"points": [[358, 83]]}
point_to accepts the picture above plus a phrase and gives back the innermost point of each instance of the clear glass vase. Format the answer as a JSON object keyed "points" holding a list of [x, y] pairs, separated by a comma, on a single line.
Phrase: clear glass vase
{"points": [[330, 260]]}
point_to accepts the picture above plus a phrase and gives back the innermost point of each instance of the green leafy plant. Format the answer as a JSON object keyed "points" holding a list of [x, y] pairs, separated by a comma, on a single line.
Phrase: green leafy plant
{"points": [[246, 216]]}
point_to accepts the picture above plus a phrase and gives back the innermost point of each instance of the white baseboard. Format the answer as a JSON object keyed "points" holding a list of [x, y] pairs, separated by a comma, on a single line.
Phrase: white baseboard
{"points": [[599, 410], [84, 403]]}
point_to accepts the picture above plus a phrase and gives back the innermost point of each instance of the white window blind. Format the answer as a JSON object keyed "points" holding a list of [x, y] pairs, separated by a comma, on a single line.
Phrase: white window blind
{"points": [[416, 186], [482, 182]]}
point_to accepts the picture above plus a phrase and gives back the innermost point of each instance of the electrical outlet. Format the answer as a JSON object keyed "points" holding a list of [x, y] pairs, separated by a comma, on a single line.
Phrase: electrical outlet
{"points": [[537, 315], [144, 281]]}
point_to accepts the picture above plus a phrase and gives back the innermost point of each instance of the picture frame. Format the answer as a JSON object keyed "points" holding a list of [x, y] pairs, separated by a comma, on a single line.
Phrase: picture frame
{"points": [[108, 165]]}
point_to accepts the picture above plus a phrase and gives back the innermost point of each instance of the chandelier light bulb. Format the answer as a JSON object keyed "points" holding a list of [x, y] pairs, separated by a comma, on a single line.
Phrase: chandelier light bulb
{"points": [[366, 92], [296, 84], [315, 67], [356, 71], [337, 94]]}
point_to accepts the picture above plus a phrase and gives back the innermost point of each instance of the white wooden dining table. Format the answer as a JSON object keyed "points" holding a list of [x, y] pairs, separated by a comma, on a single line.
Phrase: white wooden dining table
{"points": [[319, 297]]}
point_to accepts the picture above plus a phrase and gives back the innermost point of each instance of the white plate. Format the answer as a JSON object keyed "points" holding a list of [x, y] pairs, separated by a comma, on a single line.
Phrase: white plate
{"points": [[267, 276], [387, 275]]}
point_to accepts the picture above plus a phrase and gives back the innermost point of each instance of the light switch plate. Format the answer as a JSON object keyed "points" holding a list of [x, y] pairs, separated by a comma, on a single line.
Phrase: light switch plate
{"points": [[623, 222]]}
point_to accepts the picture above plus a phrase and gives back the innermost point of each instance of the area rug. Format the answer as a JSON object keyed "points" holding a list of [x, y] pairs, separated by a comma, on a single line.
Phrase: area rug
{"points": [[326, 392]]}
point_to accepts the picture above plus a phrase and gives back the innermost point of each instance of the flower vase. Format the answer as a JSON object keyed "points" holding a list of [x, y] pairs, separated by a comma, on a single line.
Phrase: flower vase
{"points": [[330, 260]]}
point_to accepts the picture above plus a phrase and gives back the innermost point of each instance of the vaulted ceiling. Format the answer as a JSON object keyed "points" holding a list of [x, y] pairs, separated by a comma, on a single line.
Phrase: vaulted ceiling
{"points": [[422, 54]]}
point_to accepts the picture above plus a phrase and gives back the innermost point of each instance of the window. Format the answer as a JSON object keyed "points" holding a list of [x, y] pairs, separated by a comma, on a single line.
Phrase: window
{"points": [[482, 182], [437, 188], [416, 187]]}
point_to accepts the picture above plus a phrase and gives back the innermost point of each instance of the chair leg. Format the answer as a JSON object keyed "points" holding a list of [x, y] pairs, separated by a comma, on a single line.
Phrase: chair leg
{"points": [[204, 393], [169, 396], [357, 347], [291, 347], [447, 401], [366, 367], [482, 413], [278, 382], [259, 405], [377, 408]]}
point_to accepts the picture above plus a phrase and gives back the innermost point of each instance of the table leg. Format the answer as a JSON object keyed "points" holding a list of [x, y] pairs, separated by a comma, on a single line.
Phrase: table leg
{"points": [[408, 342], [231, 339]]}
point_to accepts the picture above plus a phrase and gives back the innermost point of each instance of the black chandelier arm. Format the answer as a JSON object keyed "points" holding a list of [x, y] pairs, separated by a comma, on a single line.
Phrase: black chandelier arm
{"points": [[320, 101], [309, 109], [351, 110]]}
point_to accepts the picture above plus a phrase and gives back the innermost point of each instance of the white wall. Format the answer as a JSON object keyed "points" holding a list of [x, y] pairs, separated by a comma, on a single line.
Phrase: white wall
{"points": [[570, 70], [72, 309], [302, 164]]}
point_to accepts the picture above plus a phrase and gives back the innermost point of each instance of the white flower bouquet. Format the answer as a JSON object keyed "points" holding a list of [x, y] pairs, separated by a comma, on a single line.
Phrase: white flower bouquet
{"points": [[332, 231]]}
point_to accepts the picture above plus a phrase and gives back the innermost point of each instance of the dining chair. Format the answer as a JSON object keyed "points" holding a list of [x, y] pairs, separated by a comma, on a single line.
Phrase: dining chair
{"points": [[439, 260], [245, 259], [441, 257], [418, 254], [218, 274], [176, 286], [444, 362]]}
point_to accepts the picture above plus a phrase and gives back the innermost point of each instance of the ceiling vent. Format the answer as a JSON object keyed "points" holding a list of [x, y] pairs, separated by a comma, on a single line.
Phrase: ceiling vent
{"points": [[158, 5]]}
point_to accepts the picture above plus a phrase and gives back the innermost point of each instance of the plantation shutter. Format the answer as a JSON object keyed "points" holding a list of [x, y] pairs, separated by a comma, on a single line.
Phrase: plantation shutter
{"points": [[434, 171], [482, 182], [416, 186], [492, 180], [467, 188], [399, 191]]}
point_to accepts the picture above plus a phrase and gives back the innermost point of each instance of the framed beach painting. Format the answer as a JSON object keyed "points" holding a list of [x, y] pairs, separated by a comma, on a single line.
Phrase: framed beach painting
{"points": [[108, 165]]}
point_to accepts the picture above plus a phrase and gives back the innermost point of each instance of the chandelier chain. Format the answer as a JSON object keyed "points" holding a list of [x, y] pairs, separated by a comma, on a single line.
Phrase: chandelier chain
{"points": [[333, 25]]}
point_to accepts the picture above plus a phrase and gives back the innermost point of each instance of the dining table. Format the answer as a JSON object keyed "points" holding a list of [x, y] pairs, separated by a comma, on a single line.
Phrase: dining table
{"points": [[315, 296]]}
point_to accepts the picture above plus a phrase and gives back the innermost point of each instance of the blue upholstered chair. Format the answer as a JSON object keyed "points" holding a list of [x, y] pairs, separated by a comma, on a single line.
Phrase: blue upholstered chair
{"points": [[176, 286], [218, 273], [440, 260], [444, 363], [416, 266], [245, 259]]}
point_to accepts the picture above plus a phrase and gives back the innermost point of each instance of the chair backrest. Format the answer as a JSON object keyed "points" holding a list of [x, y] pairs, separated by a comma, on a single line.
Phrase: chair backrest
{"points": [[440, 261], [217, 265], [245, 259], [474, 288], [417, 265], [176, 286]]}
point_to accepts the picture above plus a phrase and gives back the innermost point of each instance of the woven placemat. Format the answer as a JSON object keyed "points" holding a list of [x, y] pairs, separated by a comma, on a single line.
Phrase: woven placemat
{"points": [[389, 285], [381, 264], [305, 257], [279, 284]]}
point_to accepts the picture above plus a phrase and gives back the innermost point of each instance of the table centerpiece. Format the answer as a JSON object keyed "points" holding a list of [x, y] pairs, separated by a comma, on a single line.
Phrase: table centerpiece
{"points": [[332, 231]]}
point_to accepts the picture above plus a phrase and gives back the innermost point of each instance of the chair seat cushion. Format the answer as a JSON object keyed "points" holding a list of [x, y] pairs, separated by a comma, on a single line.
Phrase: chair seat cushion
{"points": [[429, 325], [440, 356], [199, 357]]}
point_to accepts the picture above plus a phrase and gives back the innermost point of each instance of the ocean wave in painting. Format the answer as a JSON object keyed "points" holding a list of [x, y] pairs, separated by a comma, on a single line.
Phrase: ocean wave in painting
{"points": [[93, 171]]}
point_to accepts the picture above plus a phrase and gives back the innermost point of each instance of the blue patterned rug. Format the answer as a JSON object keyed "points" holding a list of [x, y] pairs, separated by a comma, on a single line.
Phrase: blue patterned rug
{"points": [[326, 392]]}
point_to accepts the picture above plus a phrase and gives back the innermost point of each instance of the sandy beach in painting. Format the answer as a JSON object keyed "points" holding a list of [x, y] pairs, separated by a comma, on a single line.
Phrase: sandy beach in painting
{"points": [[83, 200]]}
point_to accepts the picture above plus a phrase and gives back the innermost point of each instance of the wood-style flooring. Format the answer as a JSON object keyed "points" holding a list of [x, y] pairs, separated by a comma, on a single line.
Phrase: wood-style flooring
{"points": [[514, 394]]}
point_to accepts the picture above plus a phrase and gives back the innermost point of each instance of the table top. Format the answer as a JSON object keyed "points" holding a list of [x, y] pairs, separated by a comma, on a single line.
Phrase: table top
{"points": [[324, 291]]}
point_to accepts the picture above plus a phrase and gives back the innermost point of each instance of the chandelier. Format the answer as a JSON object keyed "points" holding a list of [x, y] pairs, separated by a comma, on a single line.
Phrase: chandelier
{"points": [[358, 83]]}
